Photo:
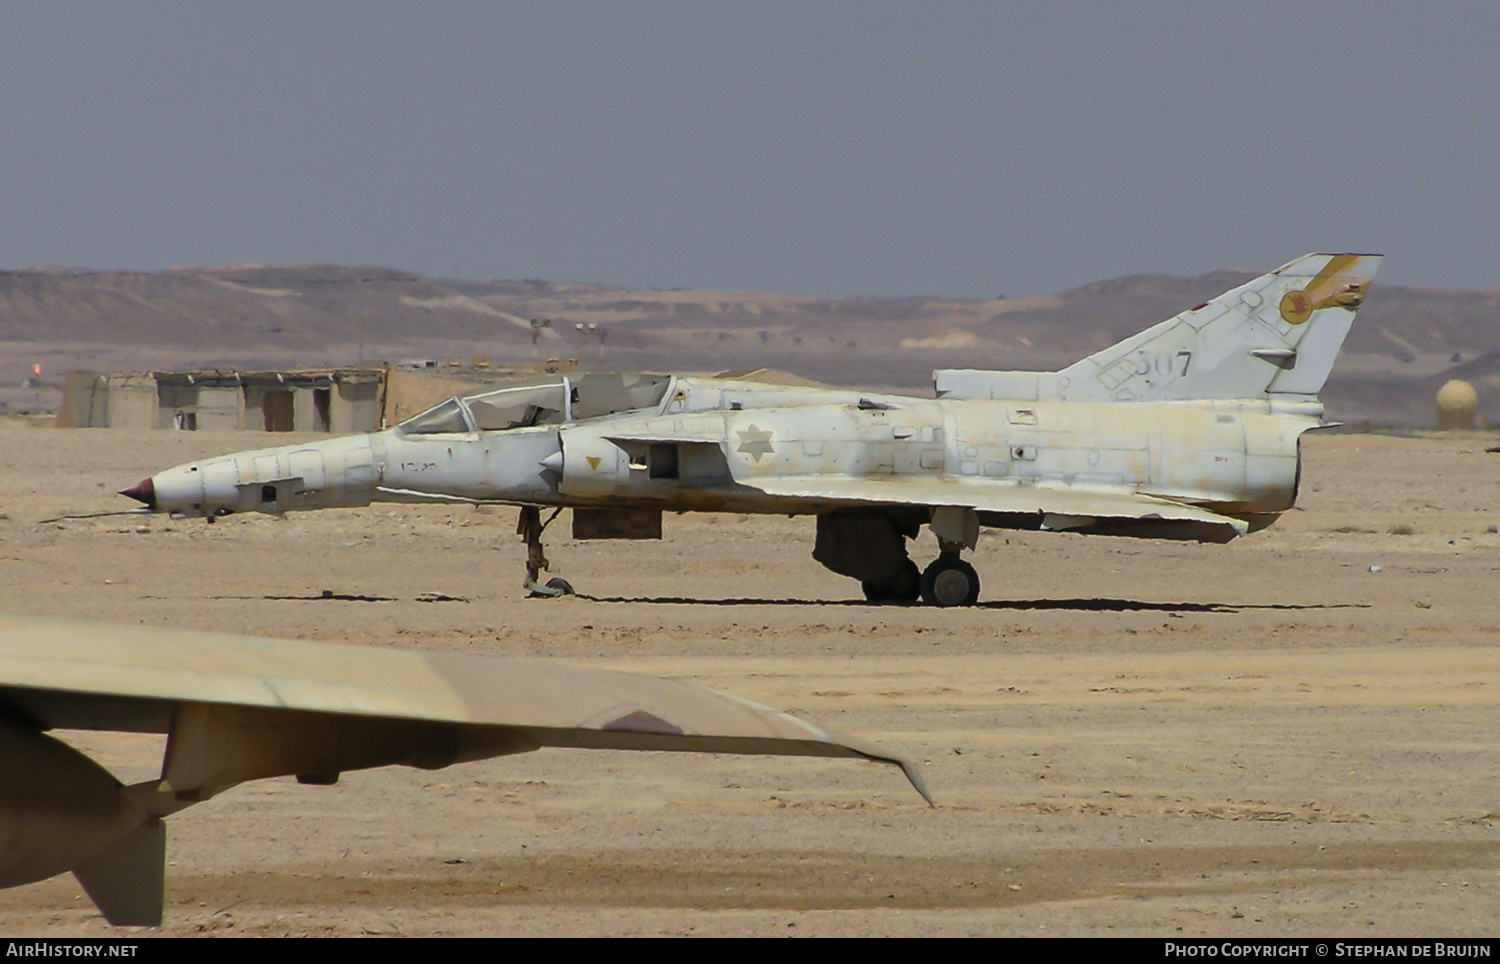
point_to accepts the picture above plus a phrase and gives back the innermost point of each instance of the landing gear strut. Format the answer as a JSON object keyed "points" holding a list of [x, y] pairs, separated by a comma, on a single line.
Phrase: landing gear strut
{"points": [[530, 527], [950, 581]]}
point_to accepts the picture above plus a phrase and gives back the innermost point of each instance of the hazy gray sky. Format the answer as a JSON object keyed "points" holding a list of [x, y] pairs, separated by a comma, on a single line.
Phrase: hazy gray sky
{"points": [[810, 148]]}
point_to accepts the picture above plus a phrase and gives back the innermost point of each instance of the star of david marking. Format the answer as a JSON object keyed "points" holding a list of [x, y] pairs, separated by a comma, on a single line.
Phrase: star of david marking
{"points": [[755, 442]]}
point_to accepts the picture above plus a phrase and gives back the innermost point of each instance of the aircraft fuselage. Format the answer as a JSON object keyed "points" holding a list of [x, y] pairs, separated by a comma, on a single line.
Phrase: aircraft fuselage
{"points": [[1237, 458]]}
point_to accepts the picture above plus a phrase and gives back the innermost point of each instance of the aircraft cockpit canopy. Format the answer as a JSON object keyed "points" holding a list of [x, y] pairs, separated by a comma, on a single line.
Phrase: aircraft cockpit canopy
{"points": [[609, 394], [438, 420], [511, 408], [560, 399]]}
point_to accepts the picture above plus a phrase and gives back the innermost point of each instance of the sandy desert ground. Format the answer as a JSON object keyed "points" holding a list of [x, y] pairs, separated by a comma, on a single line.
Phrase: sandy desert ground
{"points": [[1266, 738]]}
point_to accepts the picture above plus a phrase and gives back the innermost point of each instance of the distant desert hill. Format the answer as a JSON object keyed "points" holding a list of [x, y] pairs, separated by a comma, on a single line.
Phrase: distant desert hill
{"points": [[1407, 340], [232, 308]]}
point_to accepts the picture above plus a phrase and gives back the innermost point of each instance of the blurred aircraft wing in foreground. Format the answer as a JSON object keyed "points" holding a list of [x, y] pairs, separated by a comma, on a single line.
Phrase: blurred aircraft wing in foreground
{"points": [[238, 708]]}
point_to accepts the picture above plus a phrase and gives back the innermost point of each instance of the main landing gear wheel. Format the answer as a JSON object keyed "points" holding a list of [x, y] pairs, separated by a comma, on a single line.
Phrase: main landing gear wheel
{"points": [[905, 588], [950, 581]]}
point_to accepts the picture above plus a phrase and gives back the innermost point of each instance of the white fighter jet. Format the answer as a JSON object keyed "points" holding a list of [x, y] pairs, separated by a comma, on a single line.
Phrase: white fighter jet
{"points": [[1189, 430]]}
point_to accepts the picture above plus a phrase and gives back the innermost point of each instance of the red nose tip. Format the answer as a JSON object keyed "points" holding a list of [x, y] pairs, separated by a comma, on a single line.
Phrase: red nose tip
{"points": [[143, 492]]}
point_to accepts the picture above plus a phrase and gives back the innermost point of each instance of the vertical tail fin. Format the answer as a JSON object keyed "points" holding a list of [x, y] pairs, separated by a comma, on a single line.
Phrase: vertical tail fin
{"points": [[1276, 336]]}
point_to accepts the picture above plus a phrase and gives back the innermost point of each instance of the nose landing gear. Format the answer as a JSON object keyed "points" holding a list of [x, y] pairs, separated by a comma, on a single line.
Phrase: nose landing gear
{"points": [[530, 527]]}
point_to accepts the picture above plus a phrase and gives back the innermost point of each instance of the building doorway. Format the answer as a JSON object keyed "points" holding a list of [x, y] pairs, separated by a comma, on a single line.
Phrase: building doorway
{"points": [[277, 409], [322, 397]]}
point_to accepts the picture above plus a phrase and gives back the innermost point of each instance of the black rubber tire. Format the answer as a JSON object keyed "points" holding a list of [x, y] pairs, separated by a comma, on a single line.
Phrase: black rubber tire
{"points": [[949, 582], [558, 585]]}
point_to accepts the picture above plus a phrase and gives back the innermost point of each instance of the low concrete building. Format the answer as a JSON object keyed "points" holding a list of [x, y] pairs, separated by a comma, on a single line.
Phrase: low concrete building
{"points": [[340, 401], [336, 400]]}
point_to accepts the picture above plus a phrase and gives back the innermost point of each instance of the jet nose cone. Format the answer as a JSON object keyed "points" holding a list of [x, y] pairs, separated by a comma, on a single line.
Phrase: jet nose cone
{"points": [[143, 491]]}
